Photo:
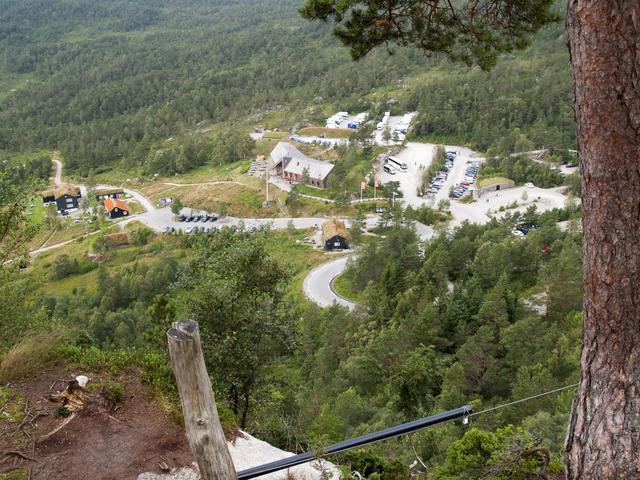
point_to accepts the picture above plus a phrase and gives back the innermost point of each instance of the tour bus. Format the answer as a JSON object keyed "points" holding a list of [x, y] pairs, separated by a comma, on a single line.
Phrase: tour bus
{"points": [[389, 169], [397, 163]]}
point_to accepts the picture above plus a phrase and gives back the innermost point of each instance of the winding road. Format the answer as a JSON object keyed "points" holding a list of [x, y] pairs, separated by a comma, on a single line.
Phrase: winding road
{"points": [[317, 284]]}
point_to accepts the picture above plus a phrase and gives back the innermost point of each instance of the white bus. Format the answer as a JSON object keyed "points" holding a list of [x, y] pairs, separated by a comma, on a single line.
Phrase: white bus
{"points": [[397, 164], [389, 169]]}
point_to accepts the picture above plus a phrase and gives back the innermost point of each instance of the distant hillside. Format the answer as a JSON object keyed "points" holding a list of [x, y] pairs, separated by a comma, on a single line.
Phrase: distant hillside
{"points": [[103, 80]]}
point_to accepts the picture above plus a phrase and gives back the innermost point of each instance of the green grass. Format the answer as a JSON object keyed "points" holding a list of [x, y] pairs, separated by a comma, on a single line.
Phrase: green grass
{"points": [[274, 135], [316, 192], [21, 474], [14, 404], [327, 132], [342, 285], [491, 180], [36, 214], [298, 256]]}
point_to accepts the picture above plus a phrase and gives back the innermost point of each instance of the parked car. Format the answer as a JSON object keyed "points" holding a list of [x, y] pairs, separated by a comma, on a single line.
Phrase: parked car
{"points": [[189, 229]]}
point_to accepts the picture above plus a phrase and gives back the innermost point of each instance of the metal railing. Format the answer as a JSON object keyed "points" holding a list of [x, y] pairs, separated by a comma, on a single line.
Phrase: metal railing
{"points": [[367, 439]]}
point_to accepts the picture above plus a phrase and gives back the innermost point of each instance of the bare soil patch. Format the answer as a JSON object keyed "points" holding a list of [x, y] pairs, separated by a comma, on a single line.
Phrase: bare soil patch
{"points": [[108, 440]]}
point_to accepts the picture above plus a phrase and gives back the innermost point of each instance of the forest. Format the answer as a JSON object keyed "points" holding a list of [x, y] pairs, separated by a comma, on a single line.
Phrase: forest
{"points": [[107, 82], [444, 323], [473, 315]]}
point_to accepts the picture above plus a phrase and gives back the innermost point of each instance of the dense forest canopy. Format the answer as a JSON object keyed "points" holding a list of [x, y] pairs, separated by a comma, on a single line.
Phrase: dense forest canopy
{"points": [[103, 81]]}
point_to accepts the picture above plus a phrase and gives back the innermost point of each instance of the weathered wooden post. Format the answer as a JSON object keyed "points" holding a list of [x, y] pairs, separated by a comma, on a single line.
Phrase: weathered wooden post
{"points": [[201, 421]]}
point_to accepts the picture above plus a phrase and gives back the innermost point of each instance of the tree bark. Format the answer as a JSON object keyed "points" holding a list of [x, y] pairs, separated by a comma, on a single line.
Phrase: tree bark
{"points": [[201, 421], [603, 440]]}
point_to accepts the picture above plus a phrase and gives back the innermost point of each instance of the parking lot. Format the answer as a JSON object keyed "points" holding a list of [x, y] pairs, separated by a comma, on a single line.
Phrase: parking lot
{"points": [[392, 123], [417, 156]]}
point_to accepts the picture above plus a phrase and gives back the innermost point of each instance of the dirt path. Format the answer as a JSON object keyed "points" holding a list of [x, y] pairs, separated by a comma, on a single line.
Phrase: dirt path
{"points": [[220, 182], [55, 158]]}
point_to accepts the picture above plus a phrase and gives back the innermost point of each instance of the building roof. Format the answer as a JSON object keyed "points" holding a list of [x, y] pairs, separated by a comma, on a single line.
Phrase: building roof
{"points": [[111, 203], [282, 150], [63, 190], [298, 162], [317, 169], [332, 228], [109, 191]]}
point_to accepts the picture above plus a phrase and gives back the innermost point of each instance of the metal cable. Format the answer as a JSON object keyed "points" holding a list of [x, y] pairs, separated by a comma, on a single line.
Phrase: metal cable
{"points": [[497, 407]]}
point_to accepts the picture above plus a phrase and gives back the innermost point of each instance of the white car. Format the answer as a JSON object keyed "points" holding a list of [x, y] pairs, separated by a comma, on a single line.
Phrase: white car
{"points": [[529, 185], [189, 229], [517, 233]]}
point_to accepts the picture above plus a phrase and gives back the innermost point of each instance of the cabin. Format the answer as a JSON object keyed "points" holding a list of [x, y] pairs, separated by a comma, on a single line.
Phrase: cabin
{"points": [[334, 235], [116, 208], [48, 197], [104, 193], [66, 197], [295, 167]]}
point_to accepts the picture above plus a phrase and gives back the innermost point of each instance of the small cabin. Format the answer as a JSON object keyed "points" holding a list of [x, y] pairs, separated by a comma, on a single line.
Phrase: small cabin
{"points": [[105, 193], [334, 235], [116, 208]]}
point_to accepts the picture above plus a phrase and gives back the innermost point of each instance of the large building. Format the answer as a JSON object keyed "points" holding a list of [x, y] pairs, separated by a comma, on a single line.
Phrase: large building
{"points": [[294, 166], [65, 197], [334, 235]]}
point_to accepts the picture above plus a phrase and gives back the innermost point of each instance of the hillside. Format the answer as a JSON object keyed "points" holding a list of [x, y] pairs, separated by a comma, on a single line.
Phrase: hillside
{"points": [[459, 297], [105, 82]]}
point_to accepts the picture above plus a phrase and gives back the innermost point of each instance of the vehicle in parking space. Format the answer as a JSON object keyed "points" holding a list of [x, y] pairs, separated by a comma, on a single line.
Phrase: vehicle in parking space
{"points": [[529, 185], [397, 163], [181, 218], [190, 218], [389, 169], [189, 229], [213, 218], [380, 209], [517, 233]]}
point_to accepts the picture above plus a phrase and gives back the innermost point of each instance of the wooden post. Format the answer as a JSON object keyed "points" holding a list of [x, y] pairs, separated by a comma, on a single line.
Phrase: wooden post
{"points": [[201, 421]]}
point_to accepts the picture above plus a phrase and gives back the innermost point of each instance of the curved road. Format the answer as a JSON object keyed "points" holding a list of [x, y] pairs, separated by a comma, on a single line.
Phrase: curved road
{"points": [[317, 284]]}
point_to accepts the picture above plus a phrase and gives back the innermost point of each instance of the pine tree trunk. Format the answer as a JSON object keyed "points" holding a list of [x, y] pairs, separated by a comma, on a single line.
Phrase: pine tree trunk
{"points": [[603, 441]]}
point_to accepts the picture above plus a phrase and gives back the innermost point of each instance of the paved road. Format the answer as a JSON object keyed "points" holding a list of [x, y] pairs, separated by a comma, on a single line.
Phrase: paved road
{"points": [[317, 284]]}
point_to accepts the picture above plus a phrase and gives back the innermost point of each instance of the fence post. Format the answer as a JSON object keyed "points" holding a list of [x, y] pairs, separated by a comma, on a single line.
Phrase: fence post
{"points": [[201, 421]]}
